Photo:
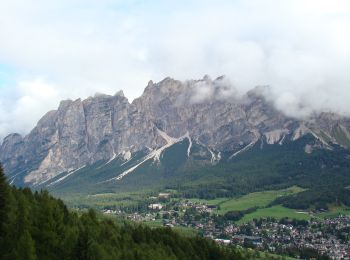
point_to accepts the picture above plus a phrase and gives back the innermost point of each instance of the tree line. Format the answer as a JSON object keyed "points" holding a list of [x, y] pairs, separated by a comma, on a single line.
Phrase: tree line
{"points": [[34, 225]]}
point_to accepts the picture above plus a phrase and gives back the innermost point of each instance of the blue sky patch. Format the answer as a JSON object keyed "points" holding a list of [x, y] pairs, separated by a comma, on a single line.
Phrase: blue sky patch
{"points": [[7, 74]]}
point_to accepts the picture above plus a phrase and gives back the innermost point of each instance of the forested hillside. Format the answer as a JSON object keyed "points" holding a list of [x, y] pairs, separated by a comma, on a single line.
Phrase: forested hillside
{"points": [[38, 226]]}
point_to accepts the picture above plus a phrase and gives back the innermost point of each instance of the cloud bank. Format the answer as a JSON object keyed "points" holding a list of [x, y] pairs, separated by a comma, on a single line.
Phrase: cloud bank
{"points": [[53, 50]]}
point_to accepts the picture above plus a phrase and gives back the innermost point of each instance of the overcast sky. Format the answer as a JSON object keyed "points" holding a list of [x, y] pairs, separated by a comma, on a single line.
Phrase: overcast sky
{"points": [[58, 49]]}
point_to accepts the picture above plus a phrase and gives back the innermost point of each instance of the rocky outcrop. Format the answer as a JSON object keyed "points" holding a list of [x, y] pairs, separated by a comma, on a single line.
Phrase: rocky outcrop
{"points": [[83, 132]]}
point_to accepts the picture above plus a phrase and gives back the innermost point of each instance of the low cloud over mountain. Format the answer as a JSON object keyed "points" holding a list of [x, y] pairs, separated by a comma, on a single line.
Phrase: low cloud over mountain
{"points": [[62, 49]]}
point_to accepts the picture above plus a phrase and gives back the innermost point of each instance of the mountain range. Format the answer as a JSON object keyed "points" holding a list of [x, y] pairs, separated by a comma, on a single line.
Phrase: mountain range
{"points": [[173, 132]]}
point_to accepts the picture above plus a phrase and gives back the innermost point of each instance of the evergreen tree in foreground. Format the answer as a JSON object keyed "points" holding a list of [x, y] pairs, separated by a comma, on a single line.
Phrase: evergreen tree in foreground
{"points": [[3, 199], [38, 226]]}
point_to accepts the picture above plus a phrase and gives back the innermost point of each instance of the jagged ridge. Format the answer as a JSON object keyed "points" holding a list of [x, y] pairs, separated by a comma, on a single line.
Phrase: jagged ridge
{"points": [[83, 132]]}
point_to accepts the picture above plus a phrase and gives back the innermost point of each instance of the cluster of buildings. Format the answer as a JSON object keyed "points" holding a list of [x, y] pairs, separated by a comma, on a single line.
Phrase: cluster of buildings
{"points": [[329, 237]]}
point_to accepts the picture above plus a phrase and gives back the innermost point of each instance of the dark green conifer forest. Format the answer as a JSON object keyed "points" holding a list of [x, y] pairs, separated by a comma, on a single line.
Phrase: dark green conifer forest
{"points": [[38, 226]]}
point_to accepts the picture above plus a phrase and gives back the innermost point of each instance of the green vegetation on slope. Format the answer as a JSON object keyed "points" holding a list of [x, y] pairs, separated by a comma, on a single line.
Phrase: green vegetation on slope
{"points": [[256, 199], [125, 200], [324, 174], [274, 167], [277, 212], [37, 226], [257, 205], [241, 209]]}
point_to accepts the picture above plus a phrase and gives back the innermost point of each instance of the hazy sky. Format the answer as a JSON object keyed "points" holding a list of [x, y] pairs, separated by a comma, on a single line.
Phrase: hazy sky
{"points": [[57, 49]]}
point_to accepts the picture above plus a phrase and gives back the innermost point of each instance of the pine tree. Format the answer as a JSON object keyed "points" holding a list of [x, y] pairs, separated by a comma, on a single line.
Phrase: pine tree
{"points": [[25, 247], [3, 197], [4, 192], [37, 226]]}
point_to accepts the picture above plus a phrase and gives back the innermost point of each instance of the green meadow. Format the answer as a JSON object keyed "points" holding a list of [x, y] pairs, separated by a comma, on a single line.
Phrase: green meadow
{"points": [[277, 212], [260, 200], [256, 199]]}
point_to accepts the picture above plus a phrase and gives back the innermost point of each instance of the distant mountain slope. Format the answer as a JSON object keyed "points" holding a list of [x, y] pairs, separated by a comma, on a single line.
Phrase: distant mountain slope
{"points": [[105, 139], [209, 174]]}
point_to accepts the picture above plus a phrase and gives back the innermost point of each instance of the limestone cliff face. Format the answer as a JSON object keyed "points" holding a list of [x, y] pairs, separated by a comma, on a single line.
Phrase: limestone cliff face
{"points": [[82, 132], [221, 122]]}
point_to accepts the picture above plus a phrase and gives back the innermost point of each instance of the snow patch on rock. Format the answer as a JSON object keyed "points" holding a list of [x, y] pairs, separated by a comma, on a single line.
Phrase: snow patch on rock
{"points": [[275, 136], [156, 154], [66, 176]]}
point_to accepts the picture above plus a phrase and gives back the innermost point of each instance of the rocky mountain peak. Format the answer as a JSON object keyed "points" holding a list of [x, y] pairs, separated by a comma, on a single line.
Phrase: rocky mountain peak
{"points": [[82, 132], [120, 93], [65, 103], [164, 87], [11, 140]]}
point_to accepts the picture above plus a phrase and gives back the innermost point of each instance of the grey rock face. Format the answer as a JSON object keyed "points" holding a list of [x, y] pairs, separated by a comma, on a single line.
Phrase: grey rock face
{"points": [[219, 122], [98, 128], [11, 151]]}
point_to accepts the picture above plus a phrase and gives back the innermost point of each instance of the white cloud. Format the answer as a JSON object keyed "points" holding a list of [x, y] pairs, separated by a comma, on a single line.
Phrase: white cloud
{"points": [[202, 92], [33, 97], [76, 48]]}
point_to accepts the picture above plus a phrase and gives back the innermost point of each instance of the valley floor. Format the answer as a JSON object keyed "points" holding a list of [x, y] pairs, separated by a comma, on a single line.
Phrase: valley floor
{"points": [[250, 221]]}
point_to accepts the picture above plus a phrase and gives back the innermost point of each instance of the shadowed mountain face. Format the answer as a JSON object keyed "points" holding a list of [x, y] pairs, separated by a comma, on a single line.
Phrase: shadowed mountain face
{"points": [[105, 128]]}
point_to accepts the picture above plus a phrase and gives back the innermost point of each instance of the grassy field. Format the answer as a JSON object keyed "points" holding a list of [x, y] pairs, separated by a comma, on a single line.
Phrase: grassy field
{"points": [[255, 199], [260, 200], [263, 199], [277, 212]]}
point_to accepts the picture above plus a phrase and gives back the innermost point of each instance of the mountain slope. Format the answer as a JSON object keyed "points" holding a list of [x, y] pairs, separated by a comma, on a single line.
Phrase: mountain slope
{"points": [[173, 133], [263, 166], [38, 226]]}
